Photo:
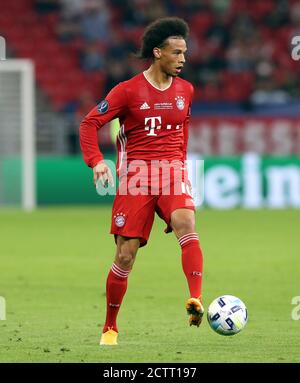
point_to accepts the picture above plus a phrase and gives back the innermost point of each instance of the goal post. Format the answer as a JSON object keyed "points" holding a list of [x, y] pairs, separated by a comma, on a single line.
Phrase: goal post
{"points": [[17, 133]]}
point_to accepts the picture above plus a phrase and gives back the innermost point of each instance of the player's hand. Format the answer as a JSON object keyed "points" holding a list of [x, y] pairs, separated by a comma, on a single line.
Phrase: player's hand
{"points": [[103, 173]]}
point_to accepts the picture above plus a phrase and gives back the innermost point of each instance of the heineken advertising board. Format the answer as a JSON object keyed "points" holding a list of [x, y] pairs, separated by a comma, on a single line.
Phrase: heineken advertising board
{"points": [[248, 181]]}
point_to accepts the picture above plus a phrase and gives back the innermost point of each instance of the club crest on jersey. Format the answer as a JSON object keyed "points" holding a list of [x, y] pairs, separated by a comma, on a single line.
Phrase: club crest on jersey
{"points": [[119, 219], [180, 102], [103, 106]]}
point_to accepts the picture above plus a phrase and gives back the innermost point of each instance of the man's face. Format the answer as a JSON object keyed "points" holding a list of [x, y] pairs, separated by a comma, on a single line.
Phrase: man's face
{"points": [[172, 56]]}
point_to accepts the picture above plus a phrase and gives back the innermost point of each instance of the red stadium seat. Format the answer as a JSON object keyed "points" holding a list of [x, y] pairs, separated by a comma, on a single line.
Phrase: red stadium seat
{"points": [[30, 34], [200, 22]]}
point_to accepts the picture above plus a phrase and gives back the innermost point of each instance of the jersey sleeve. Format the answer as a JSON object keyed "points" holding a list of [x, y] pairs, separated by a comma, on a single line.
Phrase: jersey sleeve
{"points": [[186, 125], [113, 106]]}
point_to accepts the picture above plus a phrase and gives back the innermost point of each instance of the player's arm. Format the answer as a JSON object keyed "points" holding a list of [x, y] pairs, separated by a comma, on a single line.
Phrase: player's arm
{"points": [[113, 106], [186, 127]]}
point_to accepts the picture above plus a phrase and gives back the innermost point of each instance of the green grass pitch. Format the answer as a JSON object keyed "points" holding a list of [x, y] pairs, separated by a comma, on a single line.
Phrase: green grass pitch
{"points": [[53, 270]]}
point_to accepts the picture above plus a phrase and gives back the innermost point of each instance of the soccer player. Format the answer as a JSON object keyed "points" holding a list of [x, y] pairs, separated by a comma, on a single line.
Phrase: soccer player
{"points": [[153, 108]]}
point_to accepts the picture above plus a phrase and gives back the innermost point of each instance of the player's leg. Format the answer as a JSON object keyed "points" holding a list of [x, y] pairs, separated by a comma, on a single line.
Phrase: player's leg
{"points": [[182, 222], [116, 285], [132, 219], [183, 225]]}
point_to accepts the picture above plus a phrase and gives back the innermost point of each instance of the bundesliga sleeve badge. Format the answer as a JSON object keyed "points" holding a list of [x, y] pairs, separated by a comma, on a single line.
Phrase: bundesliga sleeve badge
{"points": [[103, 106]]}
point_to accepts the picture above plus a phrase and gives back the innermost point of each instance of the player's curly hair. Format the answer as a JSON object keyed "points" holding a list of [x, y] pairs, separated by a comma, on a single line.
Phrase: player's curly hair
{"points": [[158, 31]]}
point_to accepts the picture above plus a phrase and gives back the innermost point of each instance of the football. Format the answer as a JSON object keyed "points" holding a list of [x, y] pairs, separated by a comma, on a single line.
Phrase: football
{"points": [[227, 315]]}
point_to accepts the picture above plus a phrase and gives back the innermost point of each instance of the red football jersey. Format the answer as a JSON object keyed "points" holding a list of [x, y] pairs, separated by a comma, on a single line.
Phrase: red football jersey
{"points": [[153, 122]]}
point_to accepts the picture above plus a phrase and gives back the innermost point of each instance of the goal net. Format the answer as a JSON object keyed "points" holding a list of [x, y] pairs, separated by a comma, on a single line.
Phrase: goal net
{"points": [[17, 134]]}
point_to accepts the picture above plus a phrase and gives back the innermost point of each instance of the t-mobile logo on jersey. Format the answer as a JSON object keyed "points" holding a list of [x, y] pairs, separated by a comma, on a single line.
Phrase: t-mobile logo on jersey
{"points": [[153, 125]]}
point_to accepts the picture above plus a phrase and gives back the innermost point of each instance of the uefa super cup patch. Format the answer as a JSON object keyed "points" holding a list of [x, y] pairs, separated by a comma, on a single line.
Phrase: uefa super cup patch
{"points": [[103, 106], [180, 102], [119, 219]]}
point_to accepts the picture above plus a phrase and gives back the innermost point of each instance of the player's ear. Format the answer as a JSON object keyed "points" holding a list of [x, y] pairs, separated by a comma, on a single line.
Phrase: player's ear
{"points": [[157, 53]]}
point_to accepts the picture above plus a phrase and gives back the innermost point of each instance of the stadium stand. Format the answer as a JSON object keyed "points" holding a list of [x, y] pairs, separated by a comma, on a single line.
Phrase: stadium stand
{"points": [[239, 50], [232, 43]]}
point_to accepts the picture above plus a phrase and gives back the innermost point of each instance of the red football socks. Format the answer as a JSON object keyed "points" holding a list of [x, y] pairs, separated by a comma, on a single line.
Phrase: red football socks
{"points": [[192, 262], [116, 286]]}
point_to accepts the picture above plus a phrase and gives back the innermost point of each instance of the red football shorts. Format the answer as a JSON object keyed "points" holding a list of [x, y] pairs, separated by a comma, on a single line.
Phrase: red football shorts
{"points": [[142, 193]]}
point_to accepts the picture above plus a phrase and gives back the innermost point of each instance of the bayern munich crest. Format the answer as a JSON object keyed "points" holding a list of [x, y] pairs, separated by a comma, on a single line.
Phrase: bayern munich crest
{"points": [[119, 219], [180, 102]]}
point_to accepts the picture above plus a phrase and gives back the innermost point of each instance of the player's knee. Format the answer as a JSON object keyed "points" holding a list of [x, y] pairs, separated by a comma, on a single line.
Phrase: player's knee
{"points": [[185, 226], [126, 258], [126, 252]]}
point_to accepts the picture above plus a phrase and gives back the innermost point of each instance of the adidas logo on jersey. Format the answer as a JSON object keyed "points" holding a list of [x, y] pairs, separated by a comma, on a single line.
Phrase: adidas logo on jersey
{"points": [[145, 106]]}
